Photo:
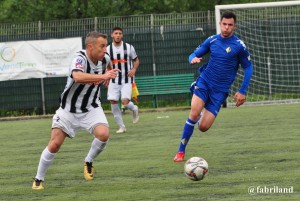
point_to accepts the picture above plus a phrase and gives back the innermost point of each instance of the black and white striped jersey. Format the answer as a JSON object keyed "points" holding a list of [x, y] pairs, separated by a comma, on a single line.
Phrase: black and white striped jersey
{"points": [[79, 98], [122, 58]]}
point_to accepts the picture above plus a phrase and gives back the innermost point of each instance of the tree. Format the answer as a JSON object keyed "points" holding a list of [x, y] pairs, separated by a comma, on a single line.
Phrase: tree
{"points": [[45, 10]]}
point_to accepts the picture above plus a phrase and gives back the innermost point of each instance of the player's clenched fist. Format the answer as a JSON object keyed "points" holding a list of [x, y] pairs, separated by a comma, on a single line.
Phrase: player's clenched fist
{"points": [[112, 73]]}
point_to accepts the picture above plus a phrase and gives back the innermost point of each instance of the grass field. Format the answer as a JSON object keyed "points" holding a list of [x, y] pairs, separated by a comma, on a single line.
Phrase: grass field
{"points": [[248, 146]]}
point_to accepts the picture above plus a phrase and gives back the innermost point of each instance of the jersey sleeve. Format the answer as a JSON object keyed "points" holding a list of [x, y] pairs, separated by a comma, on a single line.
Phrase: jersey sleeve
{"points": [[201, 50], [133, 54], [247, 65], [78, 64]]}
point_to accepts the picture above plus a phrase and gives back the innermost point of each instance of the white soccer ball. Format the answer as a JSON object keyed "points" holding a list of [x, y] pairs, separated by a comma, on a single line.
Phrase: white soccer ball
{"points": [[196, 168]]}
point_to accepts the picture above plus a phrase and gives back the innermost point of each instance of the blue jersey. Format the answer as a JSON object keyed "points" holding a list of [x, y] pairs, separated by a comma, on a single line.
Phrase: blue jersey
{"points": [[226, 54]]}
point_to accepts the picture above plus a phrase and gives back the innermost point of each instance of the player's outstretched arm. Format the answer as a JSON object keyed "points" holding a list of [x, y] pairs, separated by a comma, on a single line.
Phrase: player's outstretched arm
{"points": [[85, 78], [195, 60], [201, 50]]}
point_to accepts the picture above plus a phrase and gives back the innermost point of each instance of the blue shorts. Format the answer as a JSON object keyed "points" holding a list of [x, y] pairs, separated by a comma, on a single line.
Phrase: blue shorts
{"points": [[213, 99]]}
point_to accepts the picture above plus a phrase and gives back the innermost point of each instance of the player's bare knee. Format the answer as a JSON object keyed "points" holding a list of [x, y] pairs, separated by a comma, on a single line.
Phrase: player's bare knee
{"points": [[103, 137], [54, 146], [101, 133], [57, 139], [194, 116], [203, 128]]}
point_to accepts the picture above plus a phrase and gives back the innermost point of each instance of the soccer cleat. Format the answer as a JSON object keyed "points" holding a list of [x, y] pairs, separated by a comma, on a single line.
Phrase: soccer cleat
{"points": [[121, 130], [179, 157], [38, 184], [135, 115], [88, 171]]}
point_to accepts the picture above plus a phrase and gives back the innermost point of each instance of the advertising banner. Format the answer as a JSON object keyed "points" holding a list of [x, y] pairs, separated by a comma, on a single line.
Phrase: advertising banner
{"points": [[37, 59]]}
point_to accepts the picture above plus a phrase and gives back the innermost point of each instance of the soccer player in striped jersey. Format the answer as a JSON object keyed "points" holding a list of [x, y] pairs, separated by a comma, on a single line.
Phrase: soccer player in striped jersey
{"points": [[80, 106], [124, 58], [227, 52]]}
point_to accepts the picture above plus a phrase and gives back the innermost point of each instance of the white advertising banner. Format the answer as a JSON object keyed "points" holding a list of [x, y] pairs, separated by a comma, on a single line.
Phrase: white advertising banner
{"points": [[37, 59]]}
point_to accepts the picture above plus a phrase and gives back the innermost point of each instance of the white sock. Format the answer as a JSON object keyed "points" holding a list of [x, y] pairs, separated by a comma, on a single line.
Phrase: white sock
{"points": [[117, 115], [96, 148], [45, 161], [130, 106]]}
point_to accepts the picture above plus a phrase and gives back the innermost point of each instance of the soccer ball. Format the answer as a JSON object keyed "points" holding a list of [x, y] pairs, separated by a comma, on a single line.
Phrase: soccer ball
{"points": [[196, 168]]}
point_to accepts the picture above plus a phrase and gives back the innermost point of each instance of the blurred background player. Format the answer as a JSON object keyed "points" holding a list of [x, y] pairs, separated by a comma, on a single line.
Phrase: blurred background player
{"points": [[80, 107], [124, 58], [227, 51]]}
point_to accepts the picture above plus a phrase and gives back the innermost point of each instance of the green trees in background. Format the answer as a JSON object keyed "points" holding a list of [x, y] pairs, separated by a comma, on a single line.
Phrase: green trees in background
{"points": [[45, 10]]}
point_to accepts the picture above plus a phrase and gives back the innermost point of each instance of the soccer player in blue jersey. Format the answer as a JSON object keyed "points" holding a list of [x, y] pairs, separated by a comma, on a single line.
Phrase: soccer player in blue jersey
{"points": [[227, 52]]}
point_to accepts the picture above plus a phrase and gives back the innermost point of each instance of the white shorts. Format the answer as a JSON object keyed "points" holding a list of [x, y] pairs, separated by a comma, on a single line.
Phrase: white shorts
{"points": [[72, 122], [115, 91]]}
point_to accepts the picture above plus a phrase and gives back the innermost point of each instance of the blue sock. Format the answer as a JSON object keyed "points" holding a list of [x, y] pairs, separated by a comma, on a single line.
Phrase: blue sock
{"points": [[187, 132]]}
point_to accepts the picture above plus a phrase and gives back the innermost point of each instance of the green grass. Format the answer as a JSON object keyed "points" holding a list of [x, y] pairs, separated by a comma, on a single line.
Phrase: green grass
{"points": [[247, 146]]}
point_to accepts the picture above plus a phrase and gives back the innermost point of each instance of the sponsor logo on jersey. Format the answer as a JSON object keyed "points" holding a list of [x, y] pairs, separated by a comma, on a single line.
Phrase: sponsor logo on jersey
{"points": [[79, 63]]}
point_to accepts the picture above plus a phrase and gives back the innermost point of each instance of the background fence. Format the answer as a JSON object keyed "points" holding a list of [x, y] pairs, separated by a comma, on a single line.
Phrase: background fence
{"points": [[163, 43]]}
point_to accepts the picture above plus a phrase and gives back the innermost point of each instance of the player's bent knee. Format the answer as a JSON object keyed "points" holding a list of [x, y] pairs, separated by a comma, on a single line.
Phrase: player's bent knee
{"points": [[57, 139], [194, 116], [101, 133], [103, 137], [54, 146], [203, 128]]}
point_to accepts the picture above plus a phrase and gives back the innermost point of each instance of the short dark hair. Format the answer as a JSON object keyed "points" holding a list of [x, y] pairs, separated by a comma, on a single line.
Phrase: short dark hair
{"points": [[92, 36], [117, 28], [229, 15]]}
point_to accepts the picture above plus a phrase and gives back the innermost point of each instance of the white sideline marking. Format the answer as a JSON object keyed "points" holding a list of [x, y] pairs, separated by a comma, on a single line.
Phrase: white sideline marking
{"points": [[163, 117]]}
